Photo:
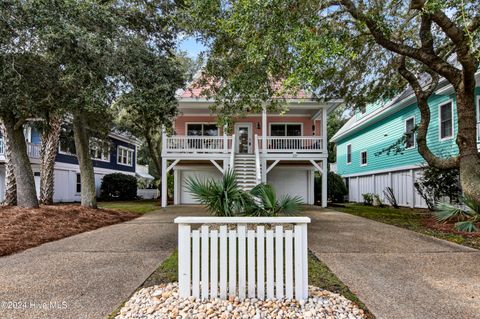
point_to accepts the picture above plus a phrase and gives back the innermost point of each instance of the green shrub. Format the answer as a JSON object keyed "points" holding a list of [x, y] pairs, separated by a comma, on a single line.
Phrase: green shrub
{"points": [[368, 199], [336, 190], [118, 186], [377, 201]]}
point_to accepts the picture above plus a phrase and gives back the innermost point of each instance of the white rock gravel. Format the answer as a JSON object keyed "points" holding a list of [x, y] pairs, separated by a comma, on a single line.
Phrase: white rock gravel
{"points": [[163, 302]]}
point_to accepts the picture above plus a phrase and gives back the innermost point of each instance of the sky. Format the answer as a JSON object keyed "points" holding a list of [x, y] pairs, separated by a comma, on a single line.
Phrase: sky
{"points": [[191, 46]]}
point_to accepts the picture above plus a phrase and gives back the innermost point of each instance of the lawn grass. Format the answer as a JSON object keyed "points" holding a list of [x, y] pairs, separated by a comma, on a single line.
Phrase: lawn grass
{"points": [[418, 220], [137, 206]]}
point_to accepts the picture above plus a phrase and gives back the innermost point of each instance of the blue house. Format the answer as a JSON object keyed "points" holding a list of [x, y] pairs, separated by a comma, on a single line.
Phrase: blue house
{"points": [[366, 169], [118, 154]]}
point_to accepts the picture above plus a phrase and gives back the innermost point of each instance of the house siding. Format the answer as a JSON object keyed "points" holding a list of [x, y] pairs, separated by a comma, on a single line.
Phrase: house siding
{"points": [[384, 133], [112, 164], [399, 171]]}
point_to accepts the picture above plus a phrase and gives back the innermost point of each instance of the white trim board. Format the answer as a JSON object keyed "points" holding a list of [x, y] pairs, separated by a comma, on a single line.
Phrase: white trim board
{"points": [[385, 170]]}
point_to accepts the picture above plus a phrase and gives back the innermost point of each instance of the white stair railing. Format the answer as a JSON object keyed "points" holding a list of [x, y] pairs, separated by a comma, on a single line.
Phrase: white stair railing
{"points": [[258, 167], [254, 257]]}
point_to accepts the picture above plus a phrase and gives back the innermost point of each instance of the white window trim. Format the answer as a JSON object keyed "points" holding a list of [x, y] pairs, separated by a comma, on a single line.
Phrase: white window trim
{"points": [[285, 123], [414, 135], [187, 123], [127, 149], [64, 153], [351, 154], [440, 121], [361, 152], [101, 159]]}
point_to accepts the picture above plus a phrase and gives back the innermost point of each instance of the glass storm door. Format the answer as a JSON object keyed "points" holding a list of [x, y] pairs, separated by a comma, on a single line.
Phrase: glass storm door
{"points": [[243, 133]]}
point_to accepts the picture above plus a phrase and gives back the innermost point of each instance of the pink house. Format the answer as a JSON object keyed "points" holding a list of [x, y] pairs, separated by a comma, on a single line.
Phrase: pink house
{"points": [[283, 150]]}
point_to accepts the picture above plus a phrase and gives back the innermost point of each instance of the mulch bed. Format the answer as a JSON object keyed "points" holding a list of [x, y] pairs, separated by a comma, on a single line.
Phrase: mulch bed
{"points": [[22, 228], [448, 227]]}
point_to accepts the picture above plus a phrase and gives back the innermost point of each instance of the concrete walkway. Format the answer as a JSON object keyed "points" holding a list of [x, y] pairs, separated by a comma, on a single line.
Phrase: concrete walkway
{"points": [[87, 275], [398, 273]]}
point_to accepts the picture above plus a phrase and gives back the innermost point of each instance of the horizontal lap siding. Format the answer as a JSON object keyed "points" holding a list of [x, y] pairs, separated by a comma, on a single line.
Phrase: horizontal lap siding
{"points": [[385, 132]]}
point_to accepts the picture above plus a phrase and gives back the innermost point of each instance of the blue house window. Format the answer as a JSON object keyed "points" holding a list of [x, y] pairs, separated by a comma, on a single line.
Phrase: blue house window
{"points": [[124, 156], [349, 153], [410, 133], [446, 121]]}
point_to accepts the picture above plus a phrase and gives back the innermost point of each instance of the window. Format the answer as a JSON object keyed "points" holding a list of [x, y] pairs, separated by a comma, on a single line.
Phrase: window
{"points": [[79, 184], [66, 143], [202, 129], [446, 121], [124, 156], [99, 150], [410, 132], [363, 158], [286, 129], [349, 153]]}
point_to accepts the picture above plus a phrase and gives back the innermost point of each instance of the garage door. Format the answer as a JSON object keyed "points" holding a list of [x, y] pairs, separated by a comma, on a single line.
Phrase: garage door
{"points": [[185, 196], [290, 181]]}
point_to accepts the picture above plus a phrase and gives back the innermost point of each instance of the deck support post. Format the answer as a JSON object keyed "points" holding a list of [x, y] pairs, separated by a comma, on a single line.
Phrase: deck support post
{"points": [[324, 182], [164, 182]]}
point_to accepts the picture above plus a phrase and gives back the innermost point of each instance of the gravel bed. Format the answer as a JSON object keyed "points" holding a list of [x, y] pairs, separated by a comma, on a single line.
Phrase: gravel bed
{"points": [[163, 302]]}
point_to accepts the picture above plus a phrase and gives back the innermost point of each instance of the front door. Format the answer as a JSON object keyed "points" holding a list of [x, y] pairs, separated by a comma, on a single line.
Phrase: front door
{"points": [[243, 132]]}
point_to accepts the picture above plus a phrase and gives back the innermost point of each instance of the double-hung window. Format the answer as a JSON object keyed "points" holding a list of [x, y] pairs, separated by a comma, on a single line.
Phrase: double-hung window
{"points": [[410, 132], [202, 129], [363, 158], [446, 121], [349, 153], [99, 150], [124, 156], [78, 183]]}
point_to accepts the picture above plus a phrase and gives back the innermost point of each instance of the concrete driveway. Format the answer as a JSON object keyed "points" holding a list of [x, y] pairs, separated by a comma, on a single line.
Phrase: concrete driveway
{"points": [[398, 273], [87, 275]]}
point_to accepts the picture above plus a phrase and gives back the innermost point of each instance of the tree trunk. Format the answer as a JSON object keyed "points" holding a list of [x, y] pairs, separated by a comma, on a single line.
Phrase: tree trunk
{"points": [[48, 152], [82, 146], [10, 183], [26, 193], [154, 153], [467, 138]]}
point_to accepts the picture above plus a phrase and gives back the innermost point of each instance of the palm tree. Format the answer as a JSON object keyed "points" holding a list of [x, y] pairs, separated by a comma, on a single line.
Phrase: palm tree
{"points": [[48, 152], [267, 204], [226, 198], [467, 217], [222, 198], [10, 182]]}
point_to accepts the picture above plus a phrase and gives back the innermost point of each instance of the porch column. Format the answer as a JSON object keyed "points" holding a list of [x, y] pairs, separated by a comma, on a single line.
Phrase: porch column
{"points": [[263, 169], [164, 182], [324, 182], [225, 141], [264, 129], [324, 130]]}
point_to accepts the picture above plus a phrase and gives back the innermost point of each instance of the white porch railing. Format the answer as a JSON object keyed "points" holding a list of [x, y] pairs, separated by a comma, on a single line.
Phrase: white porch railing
{"points": [[197, 144], [33, 150], [267, 259], [293, 144]]}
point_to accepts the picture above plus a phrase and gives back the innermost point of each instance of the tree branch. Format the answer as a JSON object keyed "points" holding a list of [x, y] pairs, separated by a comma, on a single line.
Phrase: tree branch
{"points": [[422, 103], [427, 58]]}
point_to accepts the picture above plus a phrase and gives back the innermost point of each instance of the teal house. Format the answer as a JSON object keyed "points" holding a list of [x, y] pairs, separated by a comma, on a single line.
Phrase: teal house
{"points": [[366, 169]]}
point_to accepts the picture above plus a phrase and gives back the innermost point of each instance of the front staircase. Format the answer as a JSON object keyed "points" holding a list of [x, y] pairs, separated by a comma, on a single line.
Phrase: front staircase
{"points": [[245, 170]]}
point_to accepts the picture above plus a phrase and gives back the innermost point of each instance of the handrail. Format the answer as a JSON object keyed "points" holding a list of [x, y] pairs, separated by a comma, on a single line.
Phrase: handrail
{"points": [[257, 161], [298, 144], [232, 154], [196, 144]]}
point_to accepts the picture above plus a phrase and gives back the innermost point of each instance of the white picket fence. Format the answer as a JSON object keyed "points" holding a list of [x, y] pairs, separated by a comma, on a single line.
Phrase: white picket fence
{"points": [[260, 257]]}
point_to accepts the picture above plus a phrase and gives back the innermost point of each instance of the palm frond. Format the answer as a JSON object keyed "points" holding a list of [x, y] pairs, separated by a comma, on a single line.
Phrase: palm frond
{"points": [[466, 226], [289, 205]]}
